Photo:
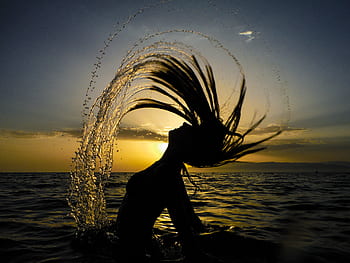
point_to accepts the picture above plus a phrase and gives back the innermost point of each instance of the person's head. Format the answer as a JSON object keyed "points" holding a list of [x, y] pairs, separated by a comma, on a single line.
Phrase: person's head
{"points": [[186, 142], [181, 141], [181, 136], [198, 146], [208, 141]]}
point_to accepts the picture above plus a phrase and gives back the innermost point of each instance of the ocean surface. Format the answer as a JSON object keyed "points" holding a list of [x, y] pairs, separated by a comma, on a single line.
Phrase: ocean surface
{"points": [[251, 217]]}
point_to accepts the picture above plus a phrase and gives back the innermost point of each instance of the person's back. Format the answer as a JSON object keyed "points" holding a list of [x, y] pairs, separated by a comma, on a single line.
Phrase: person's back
{"points": [[147, 193], [139, 210]]}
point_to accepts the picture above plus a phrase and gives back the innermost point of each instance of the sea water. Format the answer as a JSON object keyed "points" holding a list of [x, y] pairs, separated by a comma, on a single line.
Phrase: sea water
{"points": [[307, 215]]}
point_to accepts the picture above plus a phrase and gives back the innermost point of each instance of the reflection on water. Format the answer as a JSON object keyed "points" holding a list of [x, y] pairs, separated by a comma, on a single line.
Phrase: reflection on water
{"points": [[301, 210], [307, 212]]}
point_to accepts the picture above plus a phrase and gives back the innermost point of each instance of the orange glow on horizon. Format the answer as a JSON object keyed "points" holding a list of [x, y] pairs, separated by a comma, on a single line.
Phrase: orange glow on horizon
{"points": [[134, 155], [54, 154]]}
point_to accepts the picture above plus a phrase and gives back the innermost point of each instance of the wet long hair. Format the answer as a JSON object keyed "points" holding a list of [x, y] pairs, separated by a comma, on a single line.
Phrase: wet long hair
{"points": [[191, 88]]}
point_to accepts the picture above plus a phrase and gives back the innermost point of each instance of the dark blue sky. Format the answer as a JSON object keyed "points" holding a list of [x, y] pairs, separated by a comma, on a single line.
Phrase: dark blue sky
{"points": [[48, 49]]}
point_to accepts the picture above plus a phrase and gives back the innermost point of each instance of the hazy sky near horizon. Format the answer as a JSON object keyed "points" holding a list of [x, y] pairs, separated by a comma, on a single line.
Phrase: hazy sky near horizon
{"points": [[298, 50]]}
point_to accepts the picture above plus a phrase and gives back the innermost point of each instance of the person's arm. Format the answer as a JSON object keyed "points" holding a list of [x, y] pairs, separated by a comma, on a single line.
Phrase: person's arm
{"points": [[179, 206]]}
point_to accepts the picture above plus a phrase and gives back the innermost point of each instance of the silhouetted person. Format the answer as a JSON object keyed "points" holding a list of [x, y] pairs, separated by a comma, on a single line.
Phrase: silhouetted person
{"points": [[208, 141]]}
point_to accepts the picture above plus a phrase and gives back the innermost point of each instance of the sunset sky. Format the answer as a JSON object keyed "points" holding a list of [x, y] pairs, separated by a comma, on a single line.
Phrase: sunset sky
{"points": [[296, 51]]}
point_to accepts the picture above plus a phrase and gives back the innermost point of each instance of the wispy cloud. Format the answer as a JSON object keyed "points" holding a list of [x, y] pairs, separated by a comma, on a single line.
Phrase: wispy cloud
{"points": [[141, 134], [250, 35], [30, 134], [324, 119], [246, 33], [273, 128], [124, 133], [293, 143]]}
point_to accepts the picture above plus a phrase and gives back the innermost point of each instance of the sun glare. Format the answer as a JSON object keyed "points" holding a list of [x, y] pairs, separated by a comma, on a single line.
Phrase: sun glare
{"points": [[162, 146]]}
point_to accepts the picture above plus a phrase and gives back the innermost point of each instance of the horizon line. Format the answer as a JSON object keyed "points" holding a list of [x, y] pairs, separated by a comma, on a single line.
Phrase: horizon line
{"points": [[228, 167]]}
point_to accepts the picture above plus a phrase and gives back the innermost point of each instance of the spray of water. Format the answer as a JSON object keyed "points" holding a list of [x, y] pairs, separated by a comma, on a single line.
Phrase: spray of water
{"points": [[93, 161]]}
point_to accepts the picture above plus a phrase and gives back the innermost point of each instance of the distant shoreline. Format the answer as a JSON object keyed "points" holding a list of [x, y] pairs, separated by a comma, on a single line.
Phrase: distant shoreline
{"points": [[285, 167]]}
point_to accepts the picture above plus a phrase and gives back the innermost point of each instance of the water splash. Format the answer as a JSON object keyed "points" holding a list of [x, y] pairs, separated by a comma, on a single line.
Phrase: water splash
{"points": [[119, 27], [93, 161]]}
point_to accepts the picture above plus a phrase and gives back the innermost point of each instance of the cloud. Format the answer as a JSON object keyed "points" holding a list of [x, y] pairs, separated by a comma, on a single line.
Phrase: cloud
{"points": [[246, 33], [72, 132], [27, 134], [124, 133], [294, 143], [141, 134], [285, 146], [249, 34], [273, 128], [328, 119]]}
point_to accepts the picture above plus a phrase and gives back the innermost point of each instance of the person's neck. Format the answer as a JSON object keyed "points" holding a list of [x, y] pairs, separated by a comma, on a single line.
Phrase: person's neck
{"points": [[172, 156]]}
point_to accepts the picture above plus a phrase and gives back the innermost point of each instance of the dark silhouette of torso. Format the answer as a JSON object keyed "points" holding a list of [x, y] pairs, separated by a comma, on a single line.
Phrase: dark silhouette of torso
{"points": [[148, 193]]}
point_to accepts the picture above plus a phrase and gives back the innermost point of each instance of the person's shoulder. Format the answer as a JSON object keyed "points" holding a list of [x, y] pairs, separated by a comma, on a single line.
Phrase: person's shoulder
{"points": [[138, 177], [158, 169], [165, 169]]}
